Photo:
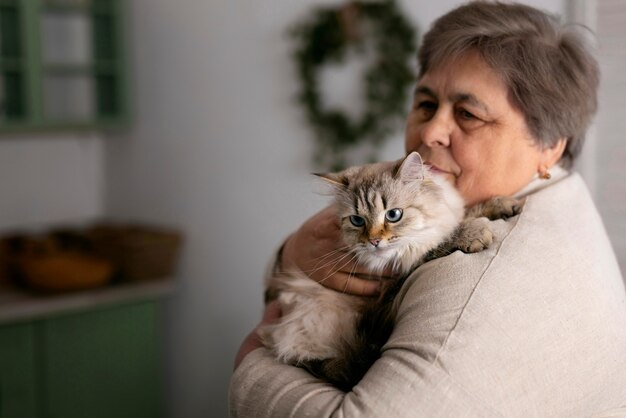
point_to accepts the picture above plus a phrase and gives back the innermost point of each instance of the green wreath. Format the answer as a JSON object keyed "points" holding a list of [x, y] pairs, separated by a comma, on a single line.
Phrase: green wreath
{"points": [[325, 38]]}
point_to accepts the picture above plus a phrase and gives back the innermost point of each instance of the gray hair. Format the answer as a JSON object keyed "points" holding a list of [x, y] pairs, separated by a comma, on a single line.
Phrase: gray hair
{"points": [[550, 72]]}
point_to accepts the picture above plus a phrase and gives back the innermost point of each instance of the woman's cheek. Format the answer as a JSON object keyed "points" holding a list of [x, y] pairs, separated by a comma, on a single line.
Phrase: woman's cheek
{"points": [[411, 136]]}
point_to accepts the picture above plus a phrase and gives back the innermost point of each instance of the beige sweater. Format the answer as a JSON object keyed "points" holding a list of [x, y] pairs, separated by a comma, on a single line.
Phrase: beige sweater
{"points": [[535, 326]]}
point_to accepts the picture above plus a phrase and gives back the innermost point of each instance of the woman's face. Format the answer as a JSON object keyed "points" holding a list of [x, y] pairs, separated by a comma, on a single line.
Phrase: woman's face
{"points": [[463, 125]]}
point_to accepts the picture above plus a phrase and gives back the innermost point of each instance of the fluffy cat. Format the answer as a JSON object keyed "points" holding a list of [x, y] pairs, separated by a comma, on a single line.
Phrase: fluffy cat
{"points": [[396, 214]]}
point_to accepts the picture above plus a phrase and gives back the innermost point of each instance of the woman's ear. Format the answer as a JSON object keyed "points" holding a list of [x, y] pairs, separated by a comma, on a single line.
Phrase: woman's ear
{"points": [[551, 156]]}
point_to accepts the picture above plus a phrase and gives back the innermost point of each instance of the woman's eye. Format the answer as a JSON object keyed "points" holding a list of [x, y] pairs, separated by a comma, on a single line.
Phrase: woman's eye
{"points": [[427, 106], [464, 114], [424, 110], [357, 220], [394, 215]]}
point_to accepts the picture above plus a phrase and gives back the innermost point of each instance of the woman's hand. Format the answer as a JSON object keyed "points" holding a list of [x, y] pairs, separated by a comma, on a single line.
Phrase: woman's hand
{"points": [[252, 341], [318, 250]]}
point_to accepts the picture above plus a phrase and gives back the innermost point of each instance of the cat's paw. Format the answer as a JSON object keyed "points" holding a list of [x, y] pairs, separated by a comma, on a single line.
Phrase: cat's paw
{"points": [[502, 207], [474, 235]]}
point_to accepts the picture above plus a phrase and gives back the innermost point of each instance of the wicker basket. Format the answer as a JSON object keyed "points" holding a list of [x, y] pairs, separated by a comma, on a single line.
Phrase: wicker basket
{"points": [[138, 252]]}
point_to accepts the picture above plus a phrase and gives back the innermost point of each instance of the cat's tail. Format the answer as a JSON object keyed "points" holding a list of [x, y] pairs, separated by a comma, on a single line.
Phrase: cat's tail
{"points": [[356, 357]]}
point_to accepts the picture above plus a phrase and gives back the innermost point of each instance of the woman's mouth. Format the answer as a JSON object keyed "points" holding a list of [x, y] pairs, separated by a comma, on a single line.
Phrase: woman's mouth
{"points": [[436, 169], [448, 175]]}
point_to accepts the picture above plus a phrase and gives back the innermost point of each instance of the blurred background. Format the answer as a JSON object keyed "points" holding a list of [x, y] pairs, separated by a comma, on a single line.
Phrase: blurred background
{"points": [[182, 115]]}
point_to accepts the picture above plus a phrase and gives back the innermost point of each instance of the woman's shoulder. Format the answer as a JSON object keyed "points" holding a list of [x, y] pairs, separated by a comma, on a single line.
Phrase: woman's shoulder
{"points": [[557, 240], [548, 289], [553, 257]]}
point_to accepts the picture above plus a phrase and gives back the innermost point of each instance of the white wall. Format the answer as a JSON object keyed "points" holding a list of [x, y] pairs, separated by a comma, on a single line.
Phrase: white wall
{"points": [[50, 180], [219, 149]]}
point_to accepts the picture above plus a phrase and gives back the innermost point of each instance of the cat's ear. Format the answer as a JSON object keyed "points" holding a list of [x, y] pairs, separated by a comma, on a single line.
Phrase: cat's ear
{"points": [[411, 168], [335, 179]]}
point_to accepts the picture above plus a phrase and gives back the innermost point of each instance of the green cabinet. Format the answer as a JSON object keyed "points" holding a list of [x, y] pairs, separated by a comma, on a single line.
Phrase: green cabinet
{"points": [[18, 391], [62, 65], [90, 364]]}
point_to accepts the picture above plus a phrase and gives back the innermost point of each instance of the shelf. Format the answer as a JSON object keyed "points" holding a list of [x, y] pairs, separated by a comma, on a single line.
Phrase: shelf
{"points": [[18, 305]]}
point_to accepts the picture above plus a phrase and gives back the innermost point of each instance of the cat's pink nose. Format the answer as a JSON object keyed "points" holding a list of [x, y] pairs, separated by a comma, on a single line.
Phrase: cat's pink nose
{"points": [[375, 242]]}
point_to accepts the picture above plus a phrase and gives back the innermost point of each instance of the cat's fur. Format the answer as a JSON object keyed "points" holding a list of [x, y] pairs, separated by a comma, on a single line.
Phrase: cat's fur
{"points": [[338, 336]]}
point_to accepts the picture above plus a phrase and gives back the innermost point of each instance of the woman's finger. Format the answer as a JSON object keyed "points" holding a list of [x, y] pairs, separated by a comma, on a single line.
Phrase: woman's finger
{"points": [[272, 313], [351, 284]]}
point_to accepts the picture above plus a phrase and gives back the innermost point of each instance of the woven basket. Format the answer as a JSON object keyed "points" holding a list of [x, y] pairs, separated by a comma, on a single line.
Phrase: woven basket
{"points": [[138, 252]]}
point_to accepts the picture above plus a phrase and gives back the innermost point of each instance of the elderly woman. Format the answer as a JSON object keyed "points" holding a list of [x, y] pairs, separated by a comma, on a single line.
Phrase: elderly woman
{"points": [[536, 324]]}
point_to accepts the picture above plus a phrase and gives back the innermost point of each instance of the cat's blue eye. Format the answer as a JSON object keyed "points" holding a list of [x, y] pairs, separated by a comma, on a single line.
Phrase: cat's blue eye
{"points": [[357, 220], [393, 215]]}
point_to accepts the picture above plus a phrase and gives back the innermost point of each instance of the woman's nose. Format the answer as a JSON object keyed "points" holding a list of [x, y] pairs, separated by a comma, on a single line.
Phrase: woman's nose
{"points": [[436, 132]]}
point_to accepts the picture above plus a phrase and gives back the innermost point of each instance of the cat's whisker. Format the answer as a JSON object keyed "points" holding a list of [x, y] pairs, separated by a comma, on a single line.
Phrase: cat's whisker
{"points": [[327, 264], [331, 253], [321, 259], [355, 256], [331, 262], [335, 251], [352, 271], [339, 269], [315, 267]]}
